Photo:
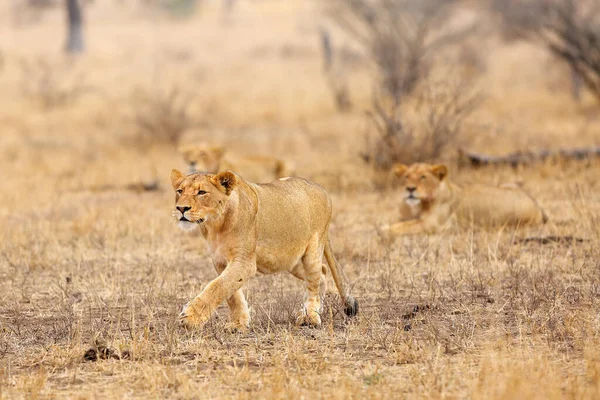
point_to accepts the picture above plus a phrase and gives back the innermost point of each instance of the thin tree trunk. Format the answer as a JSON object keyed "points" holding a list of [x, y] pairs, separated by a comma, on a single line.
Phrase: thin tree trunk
{"points": [[228, 6], [326, 49], [576, 83], [75, 41]]}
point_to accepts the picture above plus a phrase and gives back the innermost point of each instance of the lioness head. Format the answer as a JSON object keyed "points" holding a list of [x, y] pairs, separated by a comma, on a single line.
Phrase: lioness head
{"points": [[420, 182], [200, 197], [202, 158]]}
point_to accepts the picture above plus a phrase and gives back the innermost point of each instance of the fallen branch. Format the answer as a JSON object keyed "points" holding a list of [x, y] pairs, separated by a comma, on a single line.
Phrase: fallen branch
{"points": [[467, 158], [138, 187], [552, 239]]}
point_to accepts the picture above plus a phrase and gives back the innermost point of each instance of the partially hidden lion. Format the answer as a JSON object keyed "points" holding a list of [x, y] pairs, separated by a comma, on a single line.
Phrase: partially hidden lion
{"points": [[430, 202], [214, 159], [249, 228]]}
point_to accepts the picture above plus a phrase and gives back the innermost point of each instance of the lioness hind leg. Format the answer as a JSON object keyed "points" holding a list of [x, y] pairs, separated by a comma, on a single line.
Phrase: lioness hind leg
{"points": [[299, 273], [313, 277], [535, 214], [239, 314], [323, 283]]}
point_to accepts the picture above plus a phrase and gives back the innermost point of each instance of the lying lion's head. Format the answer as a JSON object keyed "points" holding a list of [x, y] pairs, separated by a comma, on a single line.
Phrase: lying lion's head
{"points": [[202, 158], [200, 197], [420, 182]]}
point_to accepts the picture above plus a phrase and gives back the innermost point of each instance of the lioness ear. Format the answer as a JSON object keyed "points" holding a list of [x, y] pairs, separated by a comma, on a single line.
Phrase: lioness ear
{"points": [[224, 181], [440, 171], [399, 169], [176, 178], [218, 151]]}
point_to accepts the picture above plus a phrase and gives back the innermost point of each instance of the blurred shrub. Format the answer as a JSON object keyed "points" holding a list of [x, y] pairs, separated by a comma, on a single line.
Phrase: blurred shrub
{"points": [[335, 72], [401, 37], [162, 117], [421, 130], [52, 85], [569, 29], [404, 39]]}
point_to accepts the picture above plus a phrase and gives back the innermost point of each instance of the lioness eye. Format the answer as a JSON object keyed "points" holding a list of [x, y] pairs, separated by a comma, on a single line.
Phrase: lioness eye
{"points": [[423, 177], [201, 192], [179, 191]]}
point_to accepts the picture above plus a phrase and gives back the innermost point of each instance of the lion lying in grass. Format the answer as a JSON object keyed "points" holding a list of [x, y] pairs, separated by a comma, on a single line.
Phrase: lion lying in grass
{"points": [[430, 202], [279, 226], [214, 159]]}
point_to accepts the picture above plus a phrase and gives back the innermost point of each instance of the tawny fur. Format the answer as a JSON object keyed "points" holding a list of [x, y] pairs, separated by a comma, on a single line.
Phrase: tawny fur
{"points": [[430, 202], [215, 159], [249, 228]]}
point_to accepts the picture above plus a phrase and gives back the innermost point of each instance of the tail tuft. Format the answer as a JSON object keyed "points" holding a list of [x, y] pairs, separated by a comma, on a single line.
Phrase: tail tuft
{"points": [[351, 306]]}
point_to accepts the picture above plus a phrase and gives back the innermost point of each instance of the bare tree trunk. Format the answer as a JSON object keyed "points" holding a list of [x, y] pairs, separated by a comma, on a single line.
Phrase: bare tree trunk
{"points": [[326, 49], [576, 83], [228, 6], [75, 42]]}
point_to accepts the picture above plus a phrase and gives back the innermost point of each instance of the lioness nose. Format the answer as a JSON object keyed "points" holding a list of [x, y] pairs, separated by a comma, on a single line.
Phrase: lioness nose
{"points": [[183, 209], [411, 189]]}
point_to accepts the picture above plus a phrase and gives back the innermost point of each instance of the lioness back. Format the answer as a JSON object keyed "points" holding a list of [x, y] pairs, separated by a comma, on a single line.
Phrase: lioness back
{"points": [[498, 205], [290, 210]]}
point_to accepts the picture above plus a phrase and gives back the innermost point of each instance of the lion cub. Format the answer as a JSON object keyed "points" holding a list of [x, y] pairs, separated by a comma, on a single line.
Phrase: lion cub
{"points": [[250, 228], [214, 159], [429, 200]]}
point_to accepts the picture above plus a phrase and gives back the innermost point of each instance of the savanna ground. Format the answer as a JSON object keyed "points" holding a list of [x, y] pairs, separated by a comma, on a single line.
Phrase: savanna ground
{"points": [[86, 263]]}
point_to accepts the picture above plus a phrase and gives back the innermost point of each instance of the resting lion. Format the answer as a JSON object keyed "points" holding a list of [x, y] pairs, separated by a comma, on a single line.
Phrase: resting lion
{"points": [[214, 159], [279, 226], [429, 200]]}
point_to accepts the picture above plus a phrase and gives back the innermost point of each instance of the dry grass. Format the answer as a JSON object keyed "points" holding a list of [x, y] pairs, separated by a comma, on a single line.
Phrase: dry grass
{"points": [[468, 314]]}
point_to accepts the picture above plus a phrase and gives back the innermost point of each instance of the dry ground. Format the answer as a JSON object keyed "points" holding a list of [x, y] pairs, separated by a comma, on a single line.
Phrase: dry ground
{"points": [[85, 263]]}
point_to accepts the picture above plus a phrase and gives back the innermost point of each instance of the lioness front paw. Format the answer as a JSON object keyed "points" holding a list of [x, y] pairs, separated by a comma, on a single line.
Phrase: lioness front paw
{"points": [[312, 319], [189, 316]]}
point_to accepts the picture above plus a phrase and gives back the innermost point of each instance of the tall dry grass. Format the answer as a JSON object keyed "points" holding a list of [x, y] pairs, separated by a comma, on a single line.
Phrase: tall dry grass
{"points": [[470, 313]]}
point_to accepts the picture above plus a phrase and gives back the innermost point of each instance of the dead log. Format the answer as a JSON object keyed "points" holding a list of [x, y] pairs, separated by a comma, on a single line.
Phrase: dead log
{"points": [[137, 187], [552, 239], [475, 160]]}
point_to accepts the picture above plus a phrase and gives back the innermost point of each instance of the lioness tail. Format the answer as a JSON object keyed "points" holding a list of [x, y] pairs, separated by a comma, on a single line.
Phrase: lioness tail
{"points": [[350, 303]]}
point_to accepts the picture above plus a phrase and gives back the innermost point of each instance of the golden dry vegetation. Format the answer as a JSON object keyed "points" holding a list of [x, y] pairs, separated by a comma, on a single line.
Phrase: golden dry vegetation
{"points": [[88, 263]]}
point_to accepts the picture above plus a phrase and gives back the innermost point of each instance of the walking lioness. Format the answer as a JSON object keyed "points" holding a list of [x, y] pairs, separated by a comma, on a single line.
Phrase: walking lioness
{"points": [[429, 200], [279, 226]]}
